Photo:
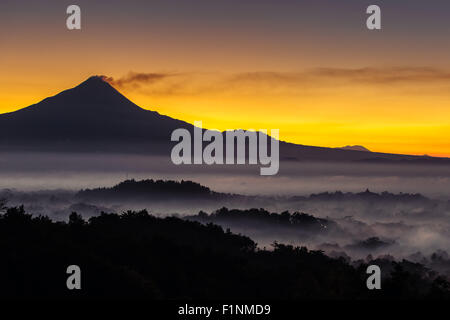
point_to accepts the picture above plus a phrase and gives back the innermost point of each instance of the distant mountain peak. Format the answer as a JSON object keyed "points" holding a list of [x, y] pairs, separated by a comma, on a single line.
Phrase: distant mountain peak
{"points": [[355, 148]]}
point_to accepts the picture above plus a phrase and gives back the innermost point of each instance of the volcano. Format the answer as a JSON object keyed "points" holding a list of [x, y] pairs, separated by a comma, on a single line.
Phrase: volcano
{"points": [[95, 117], [92, 116]]}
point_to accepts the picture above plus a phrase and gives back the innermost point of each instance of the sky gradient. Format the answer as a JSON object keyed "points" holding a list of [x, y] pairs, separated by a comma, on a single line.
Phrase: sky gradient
{"points": [[308, 68]]}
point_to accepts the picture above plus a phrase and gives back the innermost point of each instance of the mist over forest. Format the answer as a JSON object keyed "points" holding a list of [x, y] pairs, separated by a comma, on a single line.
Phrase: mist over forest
{"points": [[73, 171], [360, 212]]}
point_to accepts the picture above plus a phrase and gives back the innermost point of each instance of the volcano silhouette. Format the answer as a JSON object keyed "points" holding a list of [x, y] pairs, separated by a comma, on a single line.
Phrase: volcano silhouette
{"points": [[91, 116], [95, 117]]}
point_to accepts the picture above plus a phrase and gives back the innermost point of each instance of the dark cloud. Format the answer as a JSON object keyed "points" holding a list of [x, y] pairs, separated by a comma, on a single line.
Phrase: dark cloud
{"points": [[278, 82]]}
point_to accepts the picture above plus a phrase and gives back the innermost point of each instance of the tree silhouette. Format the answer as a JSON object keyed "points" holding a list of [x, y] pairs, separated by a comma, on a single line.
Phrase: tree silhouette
{"points": [[137, 255]]}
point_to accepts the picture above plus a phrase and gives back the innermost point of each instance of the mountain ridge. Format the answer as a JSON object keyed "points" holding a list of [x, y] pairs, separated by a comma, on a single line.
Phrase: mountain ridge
{"points": [[95, 117]]}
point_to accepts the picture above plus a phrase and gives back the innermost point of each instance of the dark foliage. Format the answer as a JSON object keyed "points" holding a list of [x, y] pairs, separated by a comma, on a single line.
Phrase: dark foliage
{"points": [[136, 255], [150, 190], [266, 221], [371, 243], [368, 196]]}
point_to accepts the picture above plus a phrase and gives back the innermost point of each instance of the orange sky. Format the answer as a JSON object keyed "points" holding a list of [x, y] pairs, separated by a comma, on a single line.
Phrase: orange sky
{"points": [[325, 84]]}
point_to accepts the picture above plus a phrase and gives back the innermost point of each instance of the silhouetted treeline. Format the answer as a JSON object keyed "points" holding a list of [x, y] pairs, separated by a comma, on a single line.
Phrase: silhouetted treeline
{"points": [[136, 255], [149, 190], [371, 243], [263, 219], [154, 189], [366, 196]]}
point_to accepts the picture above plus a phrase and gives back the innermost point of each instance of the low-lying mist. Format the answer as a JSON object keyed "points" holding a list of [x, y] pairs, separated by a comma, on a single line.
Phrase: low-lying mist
{"points": [[38, 171], [411, 220]]}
